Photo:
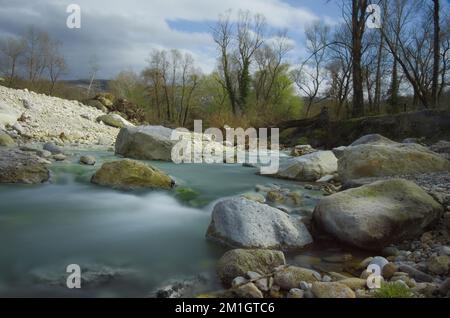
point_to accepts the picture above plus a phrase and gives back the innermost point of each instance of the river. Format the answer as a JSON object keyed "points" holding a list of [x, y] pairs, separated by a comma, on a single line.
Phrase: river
{"points": [[132, 242]]}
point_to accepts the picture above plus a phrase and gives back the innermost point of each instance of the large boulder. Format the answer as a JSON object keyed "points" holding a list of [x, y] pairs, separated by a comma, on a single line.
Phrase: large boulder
{"points": [[374, 139], [381, 160], [8, 115], [17, 166], [145, 143], [238, 222], [239, 262], [310, 167], [114, 120], [377, 215], [130, 174], [155, 143]]}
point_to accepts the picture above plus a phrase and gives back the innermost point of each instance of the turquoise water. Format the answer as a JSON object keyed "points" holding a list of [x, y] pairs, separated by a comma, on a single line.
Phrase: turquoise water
{"points": [[150, 237]]}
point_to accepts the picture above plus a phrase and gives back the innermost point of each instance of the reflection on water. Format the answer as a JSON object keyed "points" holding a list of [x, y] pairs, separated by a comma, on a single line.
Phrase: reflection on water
{"points": [[145, 237]]}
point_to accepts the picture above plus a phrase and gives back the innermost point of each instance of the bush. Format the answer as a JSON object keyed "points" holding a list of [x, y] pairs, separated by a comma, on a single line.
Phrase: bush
{"points": [[393, 290]]}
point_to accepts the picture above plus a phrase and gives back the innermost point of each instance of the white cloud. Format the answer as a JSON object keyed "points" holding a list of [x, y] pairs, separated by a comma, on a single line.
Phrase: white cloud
{"points": [[122, 33]]}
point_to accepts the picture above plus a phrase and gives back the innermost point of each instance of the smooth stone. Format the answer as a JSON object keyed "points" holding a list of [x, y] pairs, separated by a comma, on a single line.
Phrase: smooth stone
{"points": [[416, 274], [296, 293], [88, 160], [332, 290], [291, 277], [238, 222], [239, 262]]}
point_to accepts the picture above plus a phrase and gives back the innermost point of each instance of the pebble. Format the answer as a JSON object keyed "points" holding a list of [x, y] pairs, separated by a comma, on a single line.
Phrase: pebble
{"points": [[326, 279], [88, 160], [305, 286], [238, 281], [379, 261], [416, 274], [296, 293], [59, 157]]}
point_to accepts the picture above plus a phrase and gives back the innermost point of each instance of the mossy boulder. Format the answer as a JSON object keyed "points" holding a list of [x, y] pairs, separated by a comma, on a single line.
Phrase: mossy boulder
{"points": [[384, 159], [130, 174], [6, 140], [376, 215], [238, 262], [186, 194]]}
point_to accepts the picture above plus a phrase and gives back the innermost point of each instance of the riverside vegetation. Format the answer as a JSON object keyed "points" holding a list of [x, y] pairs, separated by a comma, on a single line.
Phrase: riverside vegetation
{"points": [[386, 203]]}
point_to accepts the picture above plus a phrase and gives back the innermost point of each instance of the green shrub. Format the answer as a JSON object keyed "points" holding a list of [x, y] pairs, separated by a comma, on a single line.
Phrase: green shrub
{"points": [[393, 290]]}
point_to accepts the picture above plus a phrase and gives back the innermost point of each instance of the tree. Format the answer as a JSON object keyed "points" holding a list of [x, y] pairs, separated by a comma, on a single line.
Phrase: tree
{"points": [[340, 68], [36, 53], [172, 79], [238, 44], [436, 54], [56, 64], [271, 64], [358, 18], [94, 67], [311, 75], [13, 49], [411, 46]]}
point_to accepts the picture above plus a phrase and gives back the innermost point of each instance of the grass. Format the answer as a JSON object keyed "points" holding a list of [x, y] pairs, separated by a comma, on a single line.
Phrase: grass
{"points": [[393, 290]]}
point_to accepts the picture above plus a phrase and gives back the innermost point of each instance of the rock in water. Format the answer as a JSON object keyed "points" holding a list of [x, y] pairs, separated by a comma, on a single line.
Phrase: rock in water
{"points": [[130, 174], [239, 222], [377, 215], [381, 160], [238, 262], [87, 160], [18, 166], [310, 167], [54, 149], [114, 120], [145, 143], [6, 140]]}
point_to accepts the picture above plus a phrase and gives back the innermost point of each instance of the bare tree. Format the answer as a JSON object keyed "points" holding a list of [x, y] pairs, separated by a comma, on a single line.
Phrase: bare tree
{"points": [[56, 64], [13, 49], [36, 54], [94, 67], [311, 75], [270, 61], [238, 44], [172, 79], [411, 46]]}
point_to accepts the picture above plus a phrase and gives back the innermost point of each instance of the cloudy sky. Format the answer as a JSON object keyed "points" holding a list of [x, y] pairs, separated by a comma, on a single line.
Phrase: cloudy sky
{"points": [[123, 32]]}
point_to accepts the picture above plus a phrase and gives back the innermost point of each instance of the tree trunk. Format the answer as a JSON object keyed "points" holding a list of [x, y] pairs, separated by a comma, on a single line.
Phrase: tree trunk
{"points": [[436, 58], [358, 24]]}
